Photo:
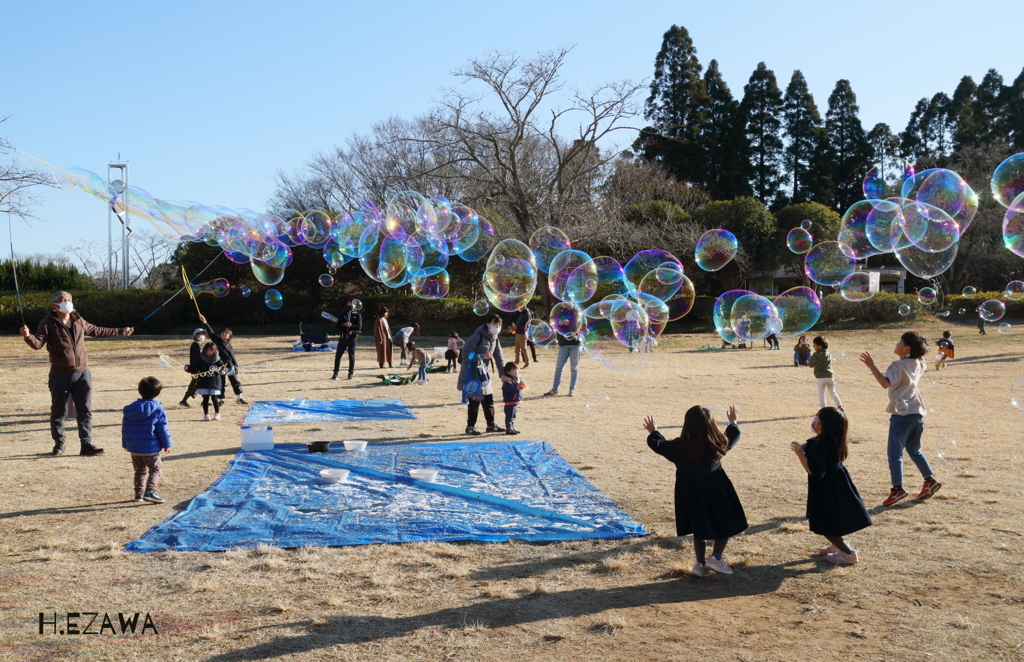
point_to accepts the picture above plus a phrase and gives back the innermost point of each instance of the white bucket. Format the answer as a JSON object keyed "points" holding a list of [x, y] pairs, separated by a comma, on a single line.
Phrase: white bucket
{"points": [[355, 445], [257, 438], [298, 402], [331, 476], [426, 475]]}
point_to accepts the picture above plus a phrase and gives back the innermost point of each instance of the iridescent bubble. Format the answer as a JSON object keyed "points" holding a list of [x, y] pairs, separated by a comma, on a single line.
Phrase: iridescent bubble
{"points": [[806, 224], [567, 319], [961, 311], [546, 243], [510, 284], [828, 264], [929, 228], [512, 249], [799, 309], [799, 241], [1015, 290], [392, 258], [219, 287], [539, 332], [244, 289], [904, 309], [945, 190], [357, 305], [600, 342], [572, 276], [597, 401], [857, 287], [332, 270], [265, 273], [407, 211], [483, 244], [944, 313], [992, 310], [661, 283], [315, 228], [1013, 227], [643, 263], [969, 292], [1007, 183], [326, 280], [751, 317], [885, 179], [719, 413], [925, 264], [927, 296], [682, 301], [715, 249], [853, 236], [433, 286], [611, 278], [481, 307], [273, 299], [945, 450], [1004, 327], [883, 228], [721, 314], [1017, 394]]}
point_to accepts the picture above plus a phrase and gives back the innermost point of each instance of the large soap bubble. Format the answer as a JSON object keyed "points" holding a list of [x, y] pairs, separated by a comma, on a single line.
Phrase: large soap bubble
{"points": [[644, 262], [929, 228], [885, 179], [799, 241], [432, 286], [265, 273], [611, 278], [682, 301], [1013, 227], [715, 249], [828, 264], [407, 211], [992, 310], [853, 235], [572, 276], [546, 243], [601, 343], [883, 226], [218, 287], [539, 332], [753, 317], [273, 299], [799, 309], [567, 319], [927, 296], [662, 283], [512, 249], [509, 284], [721, 314], [1008, 183], [1015, 290], [856, 287], [926, 264]]}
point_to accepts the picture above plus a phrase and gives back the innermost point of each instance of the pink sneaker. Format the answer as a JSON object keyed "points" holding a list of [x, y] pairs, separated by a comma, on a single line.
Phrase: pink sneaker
{"points": [[838, 558], [207, 418], [700, 570], [719, 566], [216, 416], [831, 549]]}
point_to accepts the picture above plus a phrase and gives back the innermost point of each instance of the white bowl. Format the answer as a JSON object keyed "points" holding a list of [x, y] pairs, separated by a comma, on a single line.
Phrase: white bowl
{"points": [[298, 402], [330, 476], [426, 475], [355, 445]]}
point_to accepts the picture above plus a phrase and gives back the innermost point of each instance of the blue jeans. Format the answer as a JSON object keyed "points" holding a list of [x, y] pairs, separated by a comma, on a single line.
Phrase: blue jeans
{"points": [[422, 374], [905, 433], [573, 356]]}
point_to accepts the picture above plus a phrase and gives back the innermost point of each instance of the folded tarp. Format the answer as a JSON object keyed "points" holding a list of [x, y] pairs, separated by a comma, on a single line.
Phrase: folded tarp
{"points": [[325, 411], [484, 491]]}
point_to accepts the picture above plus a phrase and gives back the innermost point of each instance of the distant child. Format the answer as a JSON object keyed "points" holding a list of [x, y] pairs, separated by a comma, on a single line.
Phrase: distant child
{"points": [[801, 352], [512, 393], [773, 341], [421, 356], [227, 352], [906, 424], [402, 337], [706, 502], [195, 364], [210, 385], [821, 363], [945, 350], [834, 506], [144, 433], [451, 354], [981, 325]]}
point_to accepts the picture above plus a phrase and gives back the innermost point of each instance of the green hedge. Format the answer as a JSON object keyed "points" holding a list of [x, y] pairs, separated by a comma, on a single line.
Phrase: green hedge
{"points": [[884, 307]]}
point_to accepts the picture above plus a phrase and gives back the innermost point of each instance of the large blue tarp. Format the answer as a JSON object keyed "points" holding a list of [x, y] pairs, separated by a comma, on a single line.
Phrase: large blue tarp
{"points": [[325, 411], [484, 491]]}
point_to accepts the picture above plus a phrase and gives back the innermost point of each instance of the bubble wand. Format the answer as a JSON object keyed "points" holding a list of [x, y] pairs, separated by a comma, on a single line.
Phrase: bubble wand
{"points": [[182, 288], [188, 286], [14, 267]]}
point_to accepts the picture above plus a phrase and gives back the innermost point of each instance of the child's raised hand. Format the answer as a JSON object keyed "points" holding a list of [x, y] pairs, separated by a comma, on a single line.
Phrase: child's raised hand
{"points": [[797, 447], [649, 424], [866, 359], [732, 414]]}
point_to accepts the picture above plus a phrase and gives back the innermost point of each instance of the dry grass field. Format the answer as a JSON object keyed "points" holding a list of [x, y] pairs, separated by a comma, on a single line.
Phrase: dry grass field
{"points": [[938, 580]]}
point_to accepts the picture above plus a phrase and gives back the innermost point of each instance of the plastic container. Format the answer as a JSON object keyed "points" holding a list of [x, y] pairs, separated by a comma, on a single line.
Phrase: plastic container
{"points": [[355, 445], [257, 438], [331, 476], [298, 402], [426, 475]]}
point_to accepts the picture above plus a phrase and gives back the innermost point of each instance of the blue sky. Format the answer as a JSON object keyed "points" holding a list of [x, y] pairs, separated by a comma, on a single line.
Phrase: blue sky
{"points": [[208, 100]]}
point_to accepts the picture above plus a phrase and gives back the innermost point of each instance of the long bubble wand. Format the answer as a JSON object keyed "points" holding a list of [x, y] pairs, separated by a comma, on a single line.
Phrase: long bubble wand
{"points": [[183, 288], [188, 286], [14, 267]]}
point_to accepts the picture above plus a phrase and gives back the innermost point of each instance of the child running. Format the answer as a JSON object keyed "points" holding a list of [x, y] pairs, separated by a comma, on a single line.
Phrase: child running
{"points": [[821, 363], [834, 507], [452, 353], [706, 502], [512, 393], [421, 356], [210, 385], [144, 433], [945, 350], [906, 423]]}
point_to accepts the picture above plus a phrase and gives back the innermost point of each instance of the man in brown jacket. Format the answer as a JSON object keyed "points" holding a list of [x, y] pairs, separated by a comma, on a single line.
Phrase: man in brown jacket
{"points": [[63, 332]]}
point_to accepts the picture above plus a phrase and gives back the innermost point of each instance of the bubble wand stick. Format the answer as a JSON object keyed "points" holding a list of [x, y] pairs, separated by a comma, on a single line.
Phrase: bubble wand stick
{"points": [[183, 287], [188, 286], [14, 267]]}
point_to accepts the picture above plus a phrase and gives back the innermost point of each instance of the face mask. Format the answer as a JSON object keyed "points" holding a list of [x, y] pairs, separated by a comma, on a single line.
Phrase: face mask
{"points": [[814, 421], [200, 339], [495, 329], [65, 307]]}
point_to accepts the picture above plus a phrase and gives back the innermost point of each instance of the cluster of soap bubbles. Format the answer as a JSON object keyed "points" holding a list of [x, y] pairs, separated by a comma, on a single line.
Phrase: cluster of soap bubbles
{"points": [[742, 316], [219, 287], [1008, 190]]}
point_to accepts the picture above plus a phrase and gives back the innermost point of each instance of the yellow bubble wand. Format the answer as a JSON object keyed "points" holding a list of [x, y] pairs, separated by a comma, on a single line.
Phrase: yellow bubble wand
{"points": [[188, 287]]}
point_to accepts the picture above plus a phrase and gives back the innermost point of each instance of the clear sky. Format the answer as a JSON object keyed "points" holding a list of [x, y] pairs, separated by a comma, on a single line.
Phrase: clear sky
{"points": [[209, 100]]}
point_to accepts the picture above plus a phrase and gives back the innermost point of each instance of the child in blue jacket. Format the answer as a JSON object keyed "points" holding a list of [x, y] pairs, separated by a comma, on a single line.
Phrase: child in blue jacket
{"points": [[144, 433]]}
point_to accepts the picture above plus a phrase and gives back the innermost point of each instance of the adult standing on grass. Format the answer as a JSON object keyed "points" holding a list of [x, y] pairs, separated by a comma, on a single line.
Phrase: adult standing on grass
{"points": [[480, 348], [382, 338], [519, 327], [568, 350], [349, 325], [63, 332]]}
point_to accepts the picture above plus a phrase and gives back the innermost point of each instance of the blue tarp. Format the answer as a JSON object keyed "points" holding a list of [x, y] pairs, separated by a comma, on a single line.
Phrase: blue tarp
{"points": [[484, 491], [325, 411]]}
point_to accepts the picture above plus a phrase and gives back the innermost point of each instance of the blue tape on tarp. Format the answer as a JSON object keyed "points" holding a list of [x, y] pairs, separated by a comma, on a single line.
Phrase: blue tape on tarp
{"points": [[484, 491], [325, 411]]}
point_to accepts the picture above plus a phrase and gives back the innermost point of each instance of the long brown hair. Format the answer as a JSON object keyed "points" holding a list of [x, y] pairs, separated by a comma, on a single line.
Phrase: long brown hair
{"points": [[834, 427], [701, 438]]}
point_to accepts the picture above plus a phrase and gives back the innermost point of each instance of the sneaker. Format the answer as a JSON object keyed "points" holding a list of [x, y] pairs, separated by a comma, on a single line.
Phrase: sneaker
{"points": [[931, 486], [572, 392], [138, 498], [184, 405], [700, 570], [216, 416], [718, 565], [838, 558], [831, 549], [90, 451], [511, 431], [58, 449], [241, 401], [470, 430], [896, 494], [553, 391], [207, 417], [494, 428], [152, 497], [334, 377], [220, 403], [350, 375]]}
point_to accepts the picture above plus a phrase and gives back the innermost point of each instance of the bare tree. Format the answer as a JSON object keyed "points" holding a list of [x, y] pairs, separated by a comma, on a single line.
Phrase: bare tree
{"points": [[17, 181], [150, 252], [90, 256]]}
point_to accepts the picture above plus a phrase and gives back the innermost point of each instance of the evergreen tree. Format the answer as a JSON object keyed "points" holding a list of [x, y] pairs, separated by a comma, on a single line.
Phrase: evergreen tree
{"points": [[675, 109], [962, 114], [912, 144], [803, 129], [723, 141], [761, 110], [988, 115], [1015, 113], [849, 151], [884, 143]]}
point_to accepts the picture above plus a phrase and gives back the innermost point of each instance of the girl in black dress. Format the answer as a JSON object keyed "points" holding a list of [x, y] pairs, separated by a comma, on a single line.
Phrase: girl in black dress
{"points": [[706, 502], [834, 507], [210, 385]]}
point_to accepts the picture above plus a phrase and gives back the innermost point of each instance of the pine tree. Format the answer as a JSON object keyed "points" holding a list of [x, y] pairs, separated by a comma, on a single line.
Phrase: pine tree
{"points": [[1015, 113], [991, 97], [761, 110], [884, 143], [675, 109], [962, 114], [722, 140], [912, 144], [803, 129], [938, 126], [849, 151]]}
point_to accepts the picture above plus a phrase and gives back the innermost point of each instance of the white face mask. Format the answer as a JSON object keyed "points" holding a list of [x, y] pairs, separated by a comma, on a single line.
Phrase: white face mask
{"points": [[814, 421], [495, 329], [200, 339], [66, 307]]}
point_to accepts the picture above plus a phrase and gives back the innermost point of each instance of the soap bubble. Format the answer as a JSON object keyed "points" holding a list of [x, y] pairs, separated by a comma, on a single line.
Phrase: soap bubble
{"points": [[598, 401], [1015, 290], [357, 305], [926, 264], [799, 309], [721, 314], [1007, 182], [945, 450], [481, 307], [509, 284], [885, 179], [433, 286], [546, 243], [806, 224], [682, 301], [218, 287], [1004, 327], [484, 233], [567, 319], [927, 296], [720, 413], [856, 287], [992, 310], [572, 276], [273, 299], [644, 262], [751, 317], [715, 249], [407, 212], [929, 228], [838, 356], [611, 278], [326, 280], [904, 309], [1013, 227], [827, 264], [969, 292], [265, 273], [539, 332], [244, 289], [902, 407], [661, 283], [883, 227], [799, 241], [512, 249], [961, 311], [601, 341], [853, 235], [944, 313], [1017, 394]]}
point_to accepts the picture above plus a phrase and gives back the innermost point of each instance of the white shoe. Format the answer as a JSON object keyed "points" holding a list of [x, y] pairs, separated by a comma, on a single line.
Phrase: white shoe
{"points": [[700, 570], [718, 566], [207, 418], [216, 416], [572, 392]]}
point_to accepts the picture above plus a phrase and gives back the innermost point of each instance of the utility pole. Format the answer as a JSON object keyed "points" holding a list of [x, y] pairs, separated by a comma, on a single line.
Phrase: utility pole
{"points": [[118, 188]]}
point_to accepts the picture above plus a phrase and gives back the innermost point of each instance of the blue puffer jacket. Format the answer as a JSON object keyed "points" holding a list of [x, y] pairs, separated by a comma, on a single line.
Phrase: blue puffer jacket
{"points": [[144, 428]]}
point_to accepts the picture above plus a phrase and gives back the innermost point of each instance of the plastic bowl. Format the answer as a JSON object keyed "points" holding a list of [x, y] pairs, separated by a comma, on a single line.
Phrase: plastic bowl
{"points": [[298, 402], [331, 476], [427, 475], [355, 445]]}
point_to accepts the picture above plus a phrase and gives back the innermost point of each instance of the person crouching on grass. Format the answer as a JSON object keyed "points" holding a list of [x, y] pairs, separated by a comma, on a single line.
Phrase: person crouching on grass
{"points": [[144, 433]]}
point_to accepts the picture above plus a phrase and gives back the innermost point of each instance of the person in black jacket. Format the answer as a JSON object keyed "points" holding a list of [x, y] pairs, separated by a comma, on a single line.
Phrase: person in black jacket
{"points": [[223, 342], [349, 325], [706, 502], [195, 365]]}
